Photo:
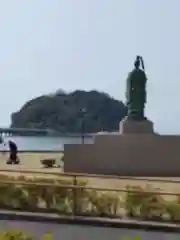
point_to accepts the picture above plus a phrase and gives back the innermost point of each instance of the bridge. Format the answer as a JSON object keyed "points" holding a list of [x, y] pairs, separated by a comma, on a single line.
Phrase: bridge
{"points": [[23, 132], [38, 132]]}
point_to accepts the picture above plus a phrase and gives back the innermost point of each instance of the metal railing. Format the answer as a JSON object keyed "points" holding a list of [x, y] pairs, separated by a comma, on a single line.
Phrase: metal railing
{"points": [[90, 176], [81, 200]]}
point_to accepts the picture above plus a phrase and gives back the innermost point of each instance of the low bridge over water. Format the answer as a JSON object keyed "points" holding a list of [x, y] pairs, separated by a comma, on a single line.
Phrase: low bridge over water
{"points": [[38, 132], [23, 132]]}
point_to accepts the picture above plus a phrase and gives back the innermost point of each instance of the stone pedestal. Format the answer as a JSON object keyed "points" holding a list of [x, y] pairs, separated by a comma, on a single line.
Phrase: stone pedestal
{"points": [[128, 126]]}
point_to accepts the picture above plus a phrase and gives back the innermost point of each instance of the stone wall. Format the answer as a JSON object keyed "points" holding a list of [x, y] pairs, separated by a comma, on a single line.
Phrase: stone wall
{"points": [[132, 155]]}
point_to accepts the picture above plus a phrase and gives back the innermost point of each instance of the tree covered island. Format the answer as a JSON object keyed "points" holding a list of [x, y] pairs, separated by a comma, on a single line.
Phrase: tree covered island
{"points": [[61, 111]]}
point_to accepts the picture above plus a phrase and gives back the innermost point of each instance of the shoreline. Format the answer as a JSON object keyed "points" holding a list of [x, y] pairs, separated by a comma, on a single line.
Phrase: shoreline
{"points": [[34, 151]]}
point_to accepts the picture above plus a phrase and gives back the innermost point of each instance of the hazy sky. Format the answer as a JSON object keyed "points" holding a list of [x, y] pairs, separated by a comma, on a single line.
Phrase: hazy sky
{"points": [[90, 44]]}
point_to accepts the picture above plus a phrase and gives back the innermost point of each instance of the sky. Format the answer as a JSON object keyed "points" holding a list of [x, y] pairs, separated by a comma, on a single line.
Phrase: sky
{"points": [[47, 45]]}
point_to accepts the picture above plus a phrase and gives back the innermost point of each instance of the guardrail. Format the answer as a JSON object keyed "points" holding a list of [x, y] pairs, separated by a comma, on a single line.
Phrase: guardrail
{"points": [[75, 198], [95, 176]]}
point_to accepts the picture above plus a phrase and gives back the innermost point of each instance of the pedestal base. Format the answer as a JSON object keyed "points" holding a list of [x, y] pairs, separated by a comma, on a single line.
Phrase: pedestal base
{"points": [[128, 126]]}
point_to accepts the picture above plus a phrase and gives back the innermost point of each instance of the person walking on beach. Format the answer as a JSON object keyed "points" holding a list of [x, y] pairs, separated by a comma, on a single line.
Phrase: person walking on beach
{"points": [[13, 150]]}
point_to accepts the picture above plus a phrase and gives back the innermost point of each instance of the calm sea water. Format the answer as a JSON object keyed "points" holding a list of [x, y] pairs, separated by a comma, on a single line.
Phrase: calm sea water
{"points": [[43, 143]]}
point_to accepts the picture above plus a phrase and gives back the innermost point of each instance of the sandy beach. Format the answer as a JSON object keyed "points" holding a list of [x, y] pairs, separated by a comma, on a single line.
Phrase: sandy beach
{"points": [[30, 161]]}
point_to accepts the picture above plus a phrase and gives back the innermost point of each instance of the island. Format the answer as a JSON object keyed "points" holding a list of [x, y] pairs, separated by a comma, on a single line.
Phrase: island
{"points": [[62, 112]]}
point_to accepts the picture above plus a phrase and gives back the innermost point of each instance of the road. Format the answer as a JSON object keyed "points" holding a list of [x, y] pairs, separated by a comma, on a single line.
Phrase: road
{"points": [[77, 232]]}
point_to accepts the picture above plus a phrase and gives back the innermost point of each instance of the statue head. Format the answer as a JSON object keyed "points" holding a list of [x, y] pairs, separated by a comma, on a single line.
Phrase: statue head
{"points": [[139, 61]]}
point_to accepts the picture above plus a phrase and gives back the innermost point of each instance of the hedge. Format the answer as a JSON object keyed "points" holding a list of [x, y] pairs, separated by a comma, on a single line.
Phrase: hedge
{"points": [[135, 202]]}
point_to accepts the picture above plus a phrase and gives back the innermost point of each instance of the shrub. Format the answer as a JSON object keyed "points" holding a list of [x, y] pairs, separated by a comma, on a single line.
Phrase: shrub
{"points": [[20, 235], [138, 202], [105, 204], [173, 210], [37, 197], [15, 235], [144, 203]]}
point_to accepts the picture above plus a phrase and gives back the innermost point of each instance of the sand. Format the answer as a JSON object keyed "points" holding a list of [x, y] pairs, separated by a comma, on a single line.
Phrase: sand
{"points": [[30, 161]]}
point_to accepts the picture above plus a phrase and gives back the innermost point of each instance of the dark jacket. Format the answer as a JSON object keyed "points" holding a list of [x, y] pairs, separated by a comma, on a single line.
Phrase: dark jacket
{"points": [[12, 146]]}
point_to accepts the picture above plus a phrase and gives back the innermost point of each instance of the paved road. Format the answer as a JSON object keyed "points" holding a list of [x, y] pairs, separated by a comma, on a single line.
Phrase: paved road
{"points": [[76, 232]]}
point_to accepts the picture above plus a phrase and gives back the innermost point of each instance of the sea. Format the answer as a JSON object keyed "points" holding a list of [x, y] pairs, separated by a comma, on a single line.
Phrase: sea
{"points": [[39, 143]]}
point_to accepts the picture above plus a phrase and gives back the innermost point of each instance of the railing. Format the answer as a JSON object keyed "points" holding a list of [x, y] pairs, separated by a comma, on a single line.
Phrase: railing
{"points": [[93, 176], [74, 197]]}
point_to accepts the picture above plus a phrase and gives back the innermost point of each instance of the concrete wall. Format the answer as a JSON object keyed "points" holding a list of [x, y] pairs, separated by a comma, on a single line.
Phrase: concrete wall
{"points": [[132, 155]]}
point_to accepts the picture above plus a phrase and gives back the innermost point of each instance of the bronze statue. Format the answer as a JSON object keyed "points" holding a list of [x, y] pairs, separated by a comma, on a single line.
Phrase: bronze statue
{"points": [[136, 91]]}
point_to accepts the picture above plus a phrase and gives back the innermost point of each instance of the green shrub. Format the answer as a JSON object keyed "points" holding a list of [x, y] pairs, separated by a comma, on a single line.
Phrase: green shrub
{"points": [[143, 203], [173, 210], [138, 202], [20, 235], [35, 197], [15, 235]]}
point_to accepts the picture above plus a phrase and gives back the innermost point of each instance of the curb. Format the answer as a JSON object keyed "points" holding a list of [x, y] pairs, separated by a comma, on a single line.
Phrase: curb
{"points": [[90, 221]]}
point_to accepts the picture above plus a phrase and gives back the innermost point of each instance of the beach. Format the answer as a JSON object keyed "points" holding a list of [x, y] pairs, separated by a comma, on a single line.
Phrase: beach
{"points": [[30, 161]]}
